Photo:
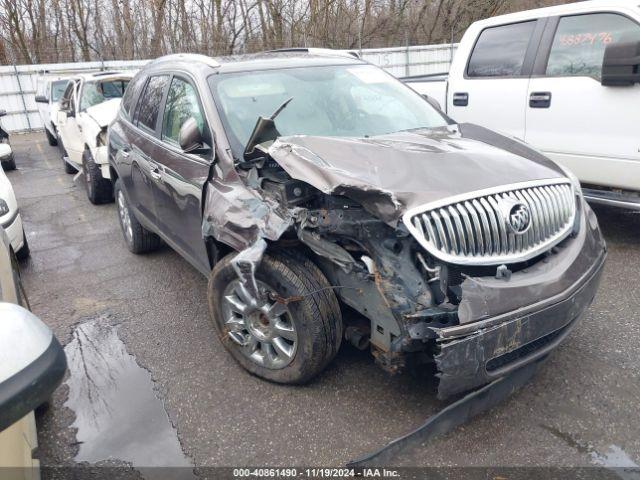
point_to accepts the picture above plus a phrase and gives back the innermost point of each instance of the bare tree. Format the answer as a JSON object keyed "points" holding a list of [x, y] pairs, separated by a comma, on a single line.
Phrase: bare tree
{"points": [[33, 31]]}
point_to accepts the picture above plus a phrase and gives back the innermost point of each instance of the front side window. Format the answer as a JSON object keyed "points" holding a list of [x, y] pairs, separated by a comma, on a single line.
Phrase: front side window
{"points": [[182, 104], [94, 93], [337, 101], [500, 51], [579, 44], [57, 89], [149, 102]]}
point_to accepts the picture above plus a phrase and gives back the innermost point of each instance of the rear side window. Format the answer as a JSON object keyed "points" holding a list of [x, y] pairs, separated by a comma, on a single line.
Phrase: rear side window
{"points": [[579, 44], [149, 103], [130, 93], [500, 51]]}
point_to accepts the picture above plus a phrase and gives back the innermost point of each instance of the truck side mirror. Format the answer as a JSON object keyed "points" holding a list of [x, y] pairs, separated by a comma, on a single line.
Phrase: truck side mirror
{"points": [[621, 64], [41, 99], [32, 363]]}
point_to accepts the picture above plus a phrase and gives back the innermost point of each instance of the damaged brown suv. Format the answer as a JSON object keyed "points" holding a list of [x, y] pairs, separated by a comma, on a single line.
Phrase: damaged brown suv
{"points": [[325, 200]]}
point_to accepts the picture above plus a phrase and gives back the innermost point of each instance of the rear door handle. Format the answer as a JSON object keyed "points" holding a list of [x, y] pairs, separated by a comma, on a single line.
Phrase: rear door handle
{"points": [[125, 152], [540, 100], [460, 99]]}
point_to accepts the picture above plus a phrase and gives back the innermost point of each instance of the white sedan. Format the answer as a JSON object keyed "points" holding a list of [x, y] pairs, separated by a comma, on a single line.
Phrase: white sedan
{"points": [[10, 218]]}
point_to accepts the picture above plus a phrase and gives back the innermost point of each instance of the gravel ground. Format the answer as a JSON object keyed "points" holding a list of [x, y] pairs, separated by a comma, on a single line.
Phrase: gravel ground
{"points": [[581, 408]]}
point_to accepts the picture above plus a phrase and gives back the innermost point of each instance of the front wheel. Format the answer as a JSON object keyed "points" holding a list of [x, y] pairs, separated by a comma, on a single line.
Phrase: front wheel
{"points": [[9, 163], [282, 341], [99, 189], [24, 251]]}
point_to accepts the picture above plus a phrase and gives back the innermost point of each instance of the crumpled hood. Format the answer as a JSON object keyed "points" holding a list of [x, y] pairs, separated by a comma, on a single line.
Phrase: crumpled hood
{"points": [[390, 174], [104, 113]]}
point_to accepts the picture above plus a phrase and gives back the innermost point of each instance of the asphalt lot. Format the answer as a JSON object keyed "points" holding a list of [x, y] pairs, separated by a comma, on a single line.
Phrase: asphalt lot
{"points": [[581, 408]]}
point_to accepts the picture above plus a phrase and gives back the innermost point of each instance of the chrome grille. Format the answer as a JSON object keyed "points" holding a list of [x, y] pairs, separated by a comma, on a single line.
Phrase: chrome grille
{"points": [[482, 228]]}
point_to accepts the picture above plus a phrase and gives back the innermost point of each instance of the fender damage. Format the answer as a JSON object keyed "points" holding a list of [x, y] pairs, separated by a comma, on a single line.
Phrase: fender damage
{"points": [[343, 199]]}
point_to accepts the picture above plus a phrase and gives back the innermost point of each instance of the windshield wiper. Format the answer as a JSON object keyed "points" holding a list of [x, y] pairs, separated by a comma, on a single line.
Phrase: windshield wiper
{"points": [[264, 130]]}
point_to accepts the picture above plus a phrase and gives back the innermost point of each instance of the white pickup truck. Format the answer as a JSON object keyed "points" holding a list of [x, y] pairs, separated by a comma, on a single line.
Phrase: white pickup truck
{"points": [[564, 79]]}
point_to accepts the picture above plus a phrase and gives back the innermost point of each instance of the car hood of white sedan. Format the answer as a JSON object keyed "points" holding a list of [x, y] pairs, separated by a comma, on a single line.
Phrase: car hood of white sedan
{"points": [[104, 113]]}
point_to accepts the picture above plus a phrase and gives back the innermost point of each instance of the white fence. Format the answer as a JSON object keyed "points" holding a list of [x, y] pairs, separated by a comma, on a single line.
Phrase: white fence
{"points": [[409, 61], [18, 83], [18, 89]]}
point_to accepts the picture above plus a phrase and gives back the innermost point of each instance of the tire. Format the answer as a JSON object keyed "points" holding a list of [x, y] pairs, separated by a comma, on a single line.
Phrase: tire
{"points": [[53, 141], [25, 251], [99, 189], [315, 318], [138, 239], [9, 164]]}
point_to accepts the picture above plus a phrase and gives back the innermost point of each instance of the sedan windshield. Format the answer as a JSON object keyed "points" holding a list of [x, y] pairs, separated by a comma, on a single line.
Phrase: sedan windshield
{"points": [[98, 92], [335, 101]]}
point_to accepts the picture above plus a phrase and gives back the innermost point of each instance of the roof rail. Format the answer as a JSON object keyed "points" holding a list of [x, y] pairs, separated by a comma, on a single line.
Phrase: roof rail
{"points": [[196, 57], [103, 74], [318, 51]]}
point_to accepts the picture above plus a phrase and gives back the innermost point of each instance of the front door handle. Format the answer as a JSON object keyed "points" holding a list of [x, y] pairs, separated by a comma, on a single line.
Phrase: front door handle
{"points": [[540, 100], [460, 99], [154, 171]]}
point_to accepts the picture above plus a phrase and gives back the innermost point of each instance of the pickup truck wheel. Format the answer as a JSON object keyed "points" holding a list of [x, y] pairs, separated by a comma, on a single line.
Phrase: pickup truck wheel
{"points": [[285, 342], [9, 163], [53, 141], [138, 238], [99, 189]]}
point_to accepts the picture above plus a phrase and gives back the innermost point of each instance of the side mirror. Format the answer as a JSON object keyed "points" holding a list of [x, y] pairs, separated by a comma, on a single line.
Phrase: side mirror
{"points": [[28, 374], [61, 117], [3, 112], [432, 101], [41, 99], [621, 64], [190, 138]]}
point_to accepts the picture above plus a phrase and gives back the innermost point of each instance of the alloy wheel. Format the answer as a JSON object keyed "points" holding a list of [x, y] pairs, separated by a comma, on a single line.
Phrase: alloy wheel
{"points": [[125, 216], [265, 333]]}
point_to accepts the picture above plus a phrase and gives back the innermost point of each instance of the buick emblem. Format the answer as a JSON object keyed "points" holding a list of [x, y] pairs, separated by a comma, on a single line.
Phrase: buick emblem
{"points": [[519, 218]]}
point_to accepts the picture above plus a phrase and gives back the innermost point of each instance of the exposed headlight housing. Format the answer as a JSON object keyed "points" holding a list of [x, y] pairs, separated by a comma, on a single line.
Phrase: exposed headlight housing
{"points": [[101, 139], [4, 208]]}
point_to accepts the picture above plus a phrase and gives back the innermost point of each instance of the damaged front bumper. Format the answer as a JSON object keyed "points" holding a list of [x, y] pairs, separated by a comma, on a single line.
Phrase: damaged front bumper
{"points": [[564, 285], [494, 351]]}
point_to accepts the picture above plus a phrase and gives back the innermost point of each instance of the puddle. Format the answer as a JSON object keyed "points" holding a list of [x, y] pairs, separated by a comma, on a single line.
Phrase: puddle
{"points": [[615, 459], [118, 415]]}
